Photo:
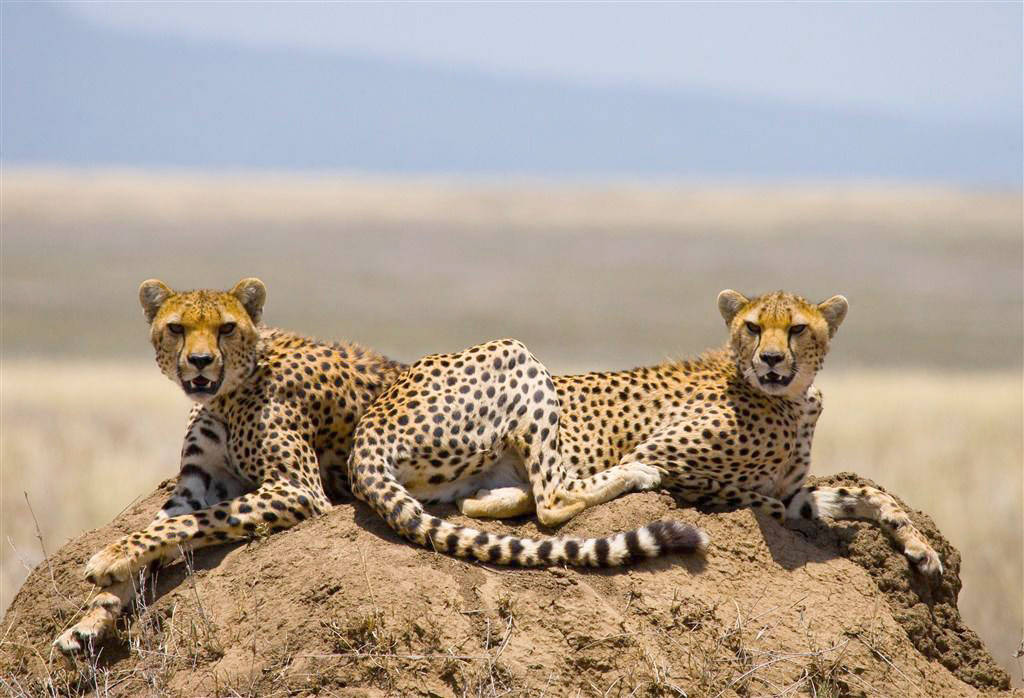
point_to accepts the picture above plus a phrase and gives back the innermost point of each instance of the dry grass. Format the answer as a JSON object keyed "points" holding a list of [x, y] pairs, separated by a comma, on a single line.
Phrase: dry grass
{"points": [[240, 200], [601, 277]]}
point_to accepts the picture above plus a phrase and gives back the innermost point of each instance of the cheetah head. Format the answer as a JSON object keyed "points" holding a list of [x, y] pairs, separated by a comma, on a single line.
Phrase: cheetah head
{"points": [[206, 341], [779, 340]]}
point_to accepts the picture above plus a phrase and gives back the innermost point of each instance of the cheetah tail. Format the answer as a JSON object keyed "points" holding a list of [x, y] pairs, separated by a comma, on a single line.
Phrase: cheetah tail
{"points": [[406, 516]]}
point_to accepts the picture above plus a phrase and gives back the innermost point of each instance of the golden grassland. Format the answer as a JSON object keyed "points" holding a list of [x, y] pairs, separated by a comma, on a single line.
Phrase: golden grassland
{"points": [[948, 444], [607, 274], [923, 384], [56, 197]]}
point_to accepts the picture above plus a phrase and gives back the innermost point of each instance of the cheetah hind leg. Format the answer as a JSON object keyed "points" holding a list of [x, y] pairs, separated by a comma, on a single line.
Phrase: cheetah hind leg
{"points": [[633, 476], [499, 502], [572, 495]]}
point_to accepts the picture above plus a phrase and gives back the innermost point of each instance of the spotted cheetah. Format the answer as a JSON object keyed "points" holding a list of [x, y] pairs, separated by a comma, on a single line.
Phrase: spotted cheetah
{"points": [[489, 417], [266, 443], [489, 429]]}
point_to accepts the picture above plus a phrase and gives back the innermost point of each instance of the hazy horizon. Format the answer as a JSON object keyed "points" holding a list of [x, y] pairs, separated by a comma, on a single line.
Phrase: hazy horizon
{"points": [[929, 93]]}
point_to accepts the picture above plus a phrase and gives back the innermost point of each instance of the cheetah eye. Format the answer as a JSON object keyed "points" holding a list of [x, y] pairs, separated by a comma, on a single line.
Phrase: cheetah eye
{"points": [[797, 329], [175, 328], [753, 328], [227, 328]]}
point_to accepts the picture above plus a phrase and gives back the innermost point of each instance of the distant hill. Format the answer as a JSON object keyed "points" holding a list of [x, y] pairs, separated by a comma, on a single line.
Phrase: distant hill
{"points": [[80, 94]]}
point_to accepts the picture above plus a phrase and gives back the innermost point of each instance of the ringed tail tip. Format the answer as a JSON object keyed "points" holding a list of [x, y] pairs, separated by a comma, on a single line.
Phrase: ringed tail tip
{"points": [[675, 536]]}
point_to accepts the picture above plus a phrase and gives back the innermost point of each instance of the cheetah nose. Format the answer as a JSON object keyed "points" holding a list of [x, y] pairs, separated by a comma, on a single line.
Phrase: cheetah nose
{"points": [[771, 357], [200, 361]]}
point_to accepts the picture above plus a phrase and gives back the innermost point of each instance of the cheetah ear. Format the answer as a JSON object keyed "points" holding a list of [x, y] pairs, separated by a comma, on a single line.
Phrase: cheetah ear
{"points": [[252, 294], [152, 294], [729, 303], [834, 310]]}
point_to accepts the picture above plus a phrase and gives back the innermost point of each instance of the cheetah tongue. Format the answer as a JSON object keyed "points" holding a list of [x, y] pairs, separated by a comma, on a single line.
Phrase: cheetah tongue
{"points": [[200, 382]]}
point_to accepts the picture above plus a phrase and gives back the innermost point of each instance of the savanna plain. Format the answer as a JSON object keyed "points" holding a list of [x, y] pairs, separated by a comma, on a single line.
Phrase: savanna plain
{"points": [[923, 389]]}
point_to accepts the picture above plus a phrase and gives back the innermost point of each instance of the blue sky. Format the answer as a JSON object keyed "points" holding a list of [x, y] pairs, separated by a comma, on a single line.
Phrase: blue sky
{"points": [[960, 60], [724, 91]]}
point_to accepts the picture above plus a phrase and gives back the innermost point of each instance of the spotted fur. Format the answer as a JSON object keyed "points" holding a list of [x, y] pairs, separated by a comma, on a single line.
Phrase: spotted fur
{"points": [[488, 429], [734, 427], [490, 415], [267, 441]]}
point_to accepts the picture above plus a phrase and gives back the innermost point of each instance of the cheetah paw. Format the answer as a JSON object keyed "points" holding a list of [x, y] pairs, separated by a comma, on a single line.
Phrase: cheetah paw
{"points": [[644, 477], [76, 640], [112, 564], [924, 558], [84, 635]]}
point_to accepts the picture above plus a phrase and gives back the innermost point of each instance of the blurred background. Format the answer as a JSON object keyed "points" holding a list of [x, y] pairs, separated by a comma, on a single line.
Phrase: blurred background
{"points": [[584, 177]]}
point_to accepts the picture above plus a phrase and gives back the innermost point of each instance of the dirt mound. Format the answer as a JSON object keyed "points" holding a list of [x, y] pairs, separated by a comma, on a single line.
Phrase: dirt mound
{"points": [[341, 606]]}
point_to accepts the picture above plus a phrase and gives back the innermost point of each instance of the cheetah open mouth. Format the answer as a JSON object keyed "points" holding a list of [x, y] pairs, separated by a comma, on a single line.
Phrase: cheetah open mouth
{"points": [[200, 385], [773, 378]]}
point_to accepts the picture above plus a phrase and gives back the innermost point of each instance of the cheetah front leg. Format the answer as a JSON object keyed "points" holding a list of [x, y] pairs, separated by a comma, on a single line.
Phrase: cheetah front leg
{"points": [[839, 503], [691, 483], [274, 506], [104, 610], [717, 497], [205, 477], [203, 480], [870, 504]]}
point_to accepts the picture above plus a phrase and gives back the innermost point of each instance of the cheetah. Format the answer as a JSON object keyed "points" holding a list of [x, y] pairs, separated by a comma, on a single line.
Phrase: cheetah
{"points": [[267, 440], [490, 430], [486, 420]]}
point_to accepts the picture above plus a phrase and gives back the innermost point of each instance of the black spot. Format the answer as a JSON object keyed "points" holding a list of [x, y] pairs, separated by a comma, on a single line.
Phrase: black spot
{"points": [[452, 542], [190, 469], [210, 434]]}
